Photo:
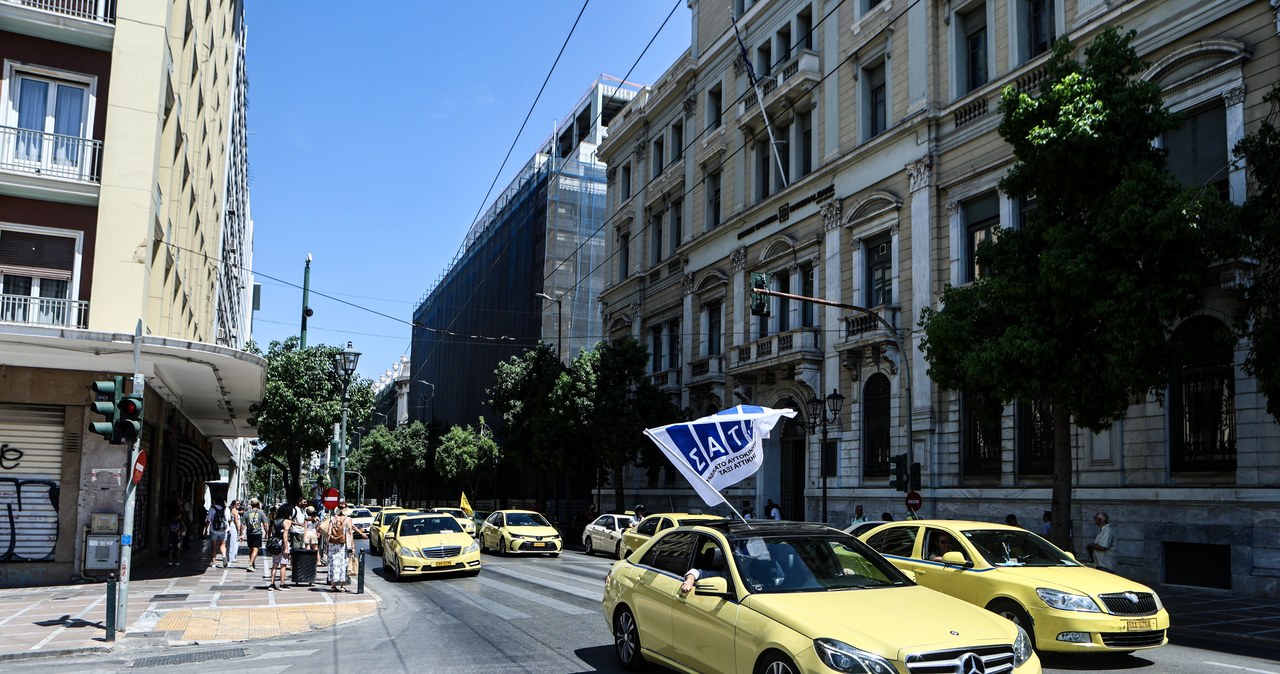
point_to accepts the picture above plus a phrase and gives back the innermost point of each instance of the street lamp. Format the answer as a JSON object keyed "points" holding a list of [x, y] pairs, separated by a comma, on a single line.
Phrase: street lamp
{"points": [[818, 417], [559, 316], [426, 400], [344, 365]]}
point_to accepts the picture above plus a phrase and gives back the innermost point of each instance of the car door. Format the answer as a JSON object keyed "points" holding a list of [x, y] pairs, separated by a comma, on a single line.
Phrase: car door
{"points": [[492, 531], [899, 545], [391, 545], [948, 578], [704, 627], [661, 571], [600, 533]]}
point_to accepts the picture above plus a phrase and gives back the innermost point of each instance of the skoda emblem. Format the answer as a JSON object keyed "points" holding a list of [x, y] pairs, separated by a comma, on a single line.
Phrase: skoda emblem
{"points": [[1132, 597], [970, 663]]}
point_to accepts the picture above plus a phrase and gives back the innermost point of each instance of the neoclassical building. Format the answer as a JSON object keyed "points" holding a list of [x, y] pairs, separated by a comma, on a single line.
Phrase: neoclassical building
{"points": [[884, 117]]}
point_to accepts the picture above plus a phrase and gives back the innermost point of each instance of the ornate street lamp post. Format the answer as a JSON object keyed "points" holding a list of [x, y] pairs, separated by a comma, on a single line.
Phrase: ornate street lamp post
{"points": [[818, 416], [344, 365]]}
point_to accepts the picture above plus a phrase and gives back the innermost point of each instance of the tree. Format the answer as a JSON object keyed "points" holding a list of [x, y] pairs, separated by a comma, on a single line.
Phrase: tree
{"points": [[1258, 315], [464, 454], [521, 395], [1075, 307], [379, 458], [301, 403]]}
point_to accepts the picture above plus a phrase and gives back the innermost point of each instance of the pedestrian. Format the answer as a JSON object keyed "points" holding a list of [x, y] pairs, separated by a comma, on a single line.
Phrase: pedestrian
{"points": [[1046, 523], [886, 517], [1011, 519], [747, 512], [235, 533], [297, 532], [310, 539], [215, 526], [858, 516], [254, 525], [177, 532], [772, 510], [278, 546], [637, 516], [1102, 549], [340, 537]]}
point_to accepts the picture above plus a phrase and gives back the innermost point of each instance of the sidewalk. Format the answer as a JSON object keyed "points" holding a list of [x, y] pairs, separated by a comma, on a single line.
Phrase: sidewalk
{"points": [[1222, 616], [185, 604]]}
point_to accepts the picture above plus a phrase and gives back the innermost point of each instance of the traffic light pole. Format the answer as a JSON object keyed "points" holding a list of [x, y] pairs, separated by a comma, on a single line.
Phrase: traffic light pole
{"points": [[893, 333], [130, 492]]}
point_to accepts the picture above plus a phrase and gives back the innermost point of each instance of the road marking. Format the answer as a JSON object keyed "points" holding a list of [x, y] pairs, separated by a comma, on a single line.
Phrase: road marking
{"points": [[1243, 669], [500, 610], [592, 595], [285, 654], [535, 597]]}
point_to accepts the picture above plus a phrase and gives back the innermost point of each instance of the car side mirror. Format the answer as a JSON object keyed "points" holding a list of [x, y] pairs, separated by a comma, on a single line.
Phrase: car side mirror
{"points": [[956, 559], [713, 587], [391, 535], [1072, 555]]}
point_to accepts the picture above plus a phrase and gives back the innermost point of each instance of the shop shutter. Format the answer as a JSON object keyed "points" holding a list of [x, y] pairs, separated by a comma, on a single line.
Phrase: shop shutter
{"points": [[30, 480]]}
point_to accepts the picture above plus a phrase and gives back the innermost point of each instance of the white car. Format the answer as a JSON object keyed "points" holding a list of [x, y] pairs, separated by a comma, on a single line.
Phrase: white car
{"points": [[362, 518], [605, 535], [468, 525]]}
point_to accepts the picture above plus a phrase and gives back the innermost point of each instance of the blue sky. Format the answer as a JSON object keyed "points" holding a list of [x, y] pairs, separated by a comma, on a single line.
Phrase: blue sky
{"points": [[377, 128]]}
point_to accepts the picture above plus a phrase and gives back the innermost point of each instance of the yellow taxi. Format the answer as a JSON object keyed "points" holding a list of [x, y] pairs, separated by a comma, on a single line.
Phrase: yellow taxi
{"points": [[790, 597], [468, 525], [519, 531], [381, 522], [432, 543], [636, 536], [1062, 604]]}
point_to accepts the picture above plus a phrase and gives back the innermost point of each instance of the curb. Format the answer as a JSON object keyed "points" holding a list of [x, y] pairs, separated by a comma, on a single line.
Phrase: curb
{"points": [[32, 655]]}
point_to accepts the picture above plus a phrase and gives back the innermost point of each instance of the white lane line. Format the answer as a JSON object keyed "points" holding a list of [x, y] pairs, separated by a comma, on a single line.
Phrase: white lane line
{"points": [[593, 595], [535, 597], [28, 607], [78, 616], [1242, 669], [500, 610], [285, 654]]}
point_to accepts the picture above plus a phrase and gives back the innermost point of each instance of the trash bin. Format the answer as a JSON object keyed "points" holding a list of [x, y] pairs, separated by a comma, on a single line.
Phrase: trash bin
{"points": [[303, 563]]}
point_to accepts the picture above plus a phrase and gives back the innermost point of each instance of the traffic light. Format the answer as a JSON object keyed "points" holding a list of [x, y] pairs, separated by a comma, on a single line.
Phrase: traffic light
{"points": [[129, 418], [899, 479], [108, 405], [759, 303], [915, 476]]}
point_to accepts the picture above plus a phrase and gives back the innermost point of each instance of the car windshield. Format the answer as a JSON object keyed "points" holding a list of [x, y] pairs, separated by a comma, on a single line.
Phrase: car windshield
{"points": [[811, 562], [1007, 547], [389, 519], [361, 512], [526, 520], [422, 526]]}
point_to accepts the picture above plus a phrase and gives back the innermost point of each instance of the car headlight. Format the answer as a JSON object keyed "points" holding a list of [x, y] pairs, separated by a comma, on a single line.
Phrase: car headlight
{"points": [[471, 548], [1066, 601], [1022, 647], [409, 552], [845, 658], [1159, 604]]}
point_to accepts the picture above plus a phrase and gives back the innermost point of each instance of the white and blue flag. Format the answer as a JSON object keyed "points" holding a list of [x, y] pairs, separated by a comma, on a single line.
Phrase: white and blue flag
{"points": [[718, 451]]}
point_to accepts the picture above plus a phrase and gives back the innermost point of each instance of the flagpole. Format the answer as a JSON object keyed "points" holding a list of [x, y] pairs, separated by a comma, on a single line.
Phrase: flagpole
{"points": [[764, 114]]}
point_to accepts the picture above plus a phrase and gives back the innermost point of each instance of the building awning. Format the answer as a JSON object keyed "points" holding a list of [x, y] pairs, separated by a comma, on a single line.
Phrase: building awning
{"points": [[194, 465]]}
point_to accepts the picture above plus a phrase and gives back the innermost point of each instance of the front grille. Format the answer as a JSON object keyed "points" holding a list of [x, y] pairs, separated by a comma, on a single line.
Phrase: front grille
{"points": [[442, 552], [1123, 603], [997, 660], [530, 545], [1133, 639]]}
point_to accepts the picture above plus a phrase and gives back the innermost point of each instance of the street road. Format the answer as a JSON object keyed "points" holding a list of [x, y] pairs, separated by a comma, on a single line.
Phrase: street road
{"points": [[524, 614]]}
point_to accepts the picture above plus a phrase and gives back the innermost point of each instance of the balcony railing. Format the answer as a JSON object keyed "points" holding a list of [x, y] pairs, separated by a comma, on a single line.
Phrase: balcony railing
{"points": [[103, 11], [668, 380], [49, 154], [798, 342], [860, 325], [29, 310]]}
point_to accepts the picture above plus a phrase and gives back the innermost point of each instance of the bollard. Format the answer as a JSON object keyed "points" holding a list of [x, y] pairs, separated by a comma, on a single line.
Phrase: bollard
{"points": [[111, 607], [360, 575]]}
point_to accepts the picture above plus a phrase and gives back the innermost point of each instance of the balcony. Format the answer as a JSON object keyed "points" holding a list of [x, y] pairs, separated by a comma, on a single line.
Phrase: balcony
{"points": [[86, 23], [27, 310], [668, 380], [48, 165], [862, 331], [795, 80], [784, 349], [708, 370]]}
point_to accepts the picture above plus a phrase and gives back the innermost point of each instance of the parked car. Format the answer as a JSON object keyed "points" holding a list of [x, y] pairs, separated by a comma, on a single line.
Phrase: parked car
{"points": [[519, 531], [605, 534], [362, 518], [635, 537], [789, 597], [1063, 604], [381, 522], [425, 544], [459, 514]]}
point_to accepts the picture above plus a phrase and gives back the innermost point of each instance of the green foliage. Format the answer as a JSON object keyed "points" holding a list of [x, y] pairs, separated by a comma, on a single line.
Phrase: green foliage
{"points": [[465, 454], [1258, 317], [521, 395]]}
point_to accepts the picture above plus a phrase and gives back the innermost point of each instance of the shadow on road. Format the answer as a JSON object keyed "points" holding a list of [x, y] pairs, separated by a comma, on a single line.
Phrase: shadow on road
{"points": [[601, 659], [1092, 662]]}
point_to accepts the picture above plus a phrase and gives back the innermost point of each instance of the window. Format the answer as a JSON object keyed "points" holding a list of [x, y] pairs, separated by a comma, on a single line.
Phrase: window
{"points": [[659, 155], [782, 42], [624, 256], [676, 235], [982, 220], [783, 284], [1198, 149], [35, 278], [764, 164], [1040, 26], [655, 343], [51, 119], [655, 238], [712, 184], [1034, 437], [624, 181], [1202, 413], [830, 458], [980, 436], [879, 272], [715, 103], [898, 541], [673, 553], [973, 49], [877, 104], [713, 334], [875, 426], [804, 28], [807, 289], [677, 141], [673, 346], [764, 60], [782, 161], [804, 143]]}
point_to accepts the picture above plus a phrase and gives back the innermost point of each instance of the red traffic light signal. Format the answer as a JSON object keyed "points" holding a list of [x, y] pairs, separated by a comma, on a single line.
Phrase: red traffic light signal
{"points": [[129, 422]]}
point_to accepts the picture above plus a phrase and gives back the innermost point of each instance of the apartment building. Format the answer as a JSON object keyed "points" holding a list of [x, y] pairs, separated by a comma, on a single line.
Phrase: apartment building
{"points": [[878, 183], [124, 204]]}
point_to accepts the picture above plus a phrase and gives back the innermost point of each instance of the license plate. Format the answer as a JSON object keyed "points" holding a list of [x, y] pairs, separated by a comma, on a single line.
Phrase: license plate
{"points": [[442, 562], [539, 545], [1134, 625]]}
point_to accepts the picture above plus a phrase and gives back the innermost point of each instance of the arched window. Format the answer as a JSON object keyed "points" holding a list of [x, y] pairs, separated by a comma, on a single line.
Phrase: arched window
{"points": [[875, 426], [1202, 412]]}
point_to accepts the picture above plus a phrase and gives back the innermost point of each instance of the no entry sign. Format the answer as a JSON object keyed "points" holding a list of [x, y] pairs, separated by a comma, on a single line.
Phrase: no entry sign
{"points": [[914, 501], [330, 499]]}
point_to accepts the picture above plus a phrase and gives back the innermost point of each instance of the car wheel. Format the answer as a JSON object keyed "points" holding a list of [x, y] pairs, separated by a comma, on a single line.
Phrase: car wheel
{"points": [[776, 663], [483, 548], [555, 554], [589, 548], [626, 640], [617, 550], [503, 546], [1014, 612], [392, 574]]}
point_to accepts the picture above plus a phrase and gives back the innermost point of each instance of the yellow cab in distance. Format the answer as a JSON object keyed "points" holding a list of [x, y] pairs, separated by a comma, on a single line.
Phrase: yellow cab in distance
{"points": [[519, 532], [381, 522], [468, 525], [636, 536], [416, 545], [790, 597], [1062, 604]]}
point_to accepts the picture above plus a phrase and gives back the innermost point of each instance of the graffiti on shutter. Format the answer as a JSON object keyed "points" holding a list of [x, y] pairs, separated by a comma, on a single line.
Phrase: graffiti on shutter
{"points": [[30, 477]]}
